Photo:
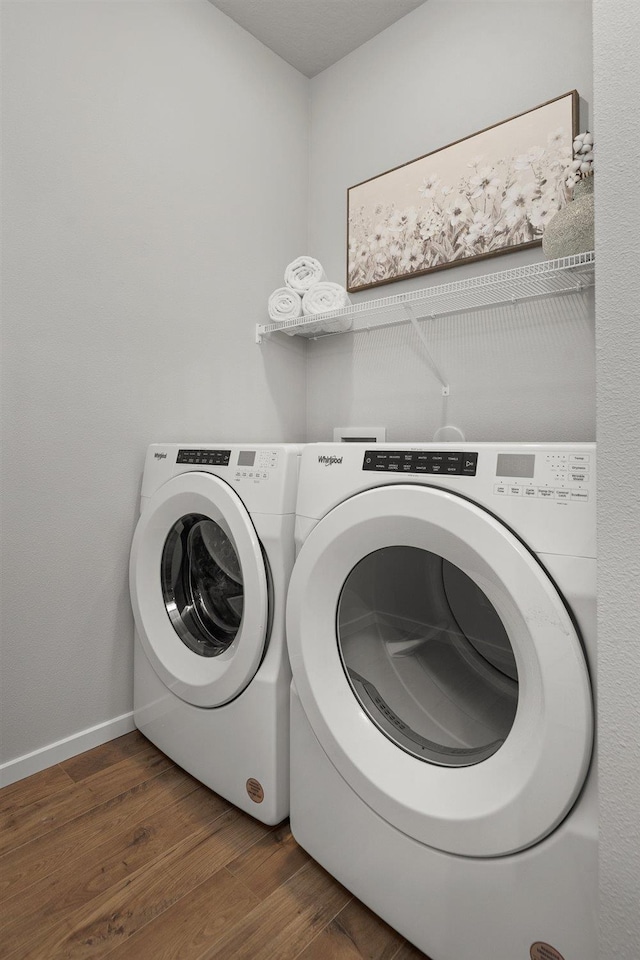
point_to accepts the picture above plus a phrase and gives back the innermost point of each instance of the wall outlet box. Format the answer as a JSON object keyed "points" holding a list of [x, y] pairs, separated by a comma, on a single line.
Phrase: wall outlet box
{"points": [[359, 434]]}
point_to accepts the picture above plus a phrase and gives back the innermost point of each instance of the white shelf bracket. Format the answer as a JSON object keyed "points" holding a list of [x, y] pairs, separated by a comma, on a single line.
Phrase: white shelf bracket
{"points": [[423, 340]]}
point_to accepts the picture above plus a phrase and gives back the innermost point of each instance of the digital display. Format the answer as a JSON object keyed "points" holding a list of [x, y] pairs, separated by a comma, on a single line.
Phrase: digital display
{"points": [[246, 458], [516, 465]]}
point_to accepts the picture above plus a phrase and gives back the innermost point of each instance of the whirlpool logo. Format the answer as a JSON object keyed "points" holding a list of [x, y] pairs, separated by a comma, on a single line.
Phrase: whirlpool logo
{"points": [[329, 461], [160, 456]]}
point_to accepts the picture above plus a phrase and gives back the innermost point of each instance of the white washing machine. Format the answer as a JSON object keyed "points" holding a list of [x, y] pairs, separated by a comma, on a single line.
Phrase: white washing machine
{"points": [[210, 564], [441, 628]]}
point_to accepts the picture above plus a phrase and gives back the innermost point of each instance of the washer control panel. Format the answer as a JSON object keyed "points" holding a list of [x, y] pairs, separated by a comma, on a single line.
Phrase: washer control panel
{"points": [[255, 464], [419, 461], [211, 458]]}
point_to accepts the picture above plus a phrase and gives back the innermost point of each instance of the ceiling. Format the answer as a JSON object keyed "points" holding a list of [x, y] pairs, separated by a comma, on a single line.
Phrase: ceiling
{"points": [[313, 34]]}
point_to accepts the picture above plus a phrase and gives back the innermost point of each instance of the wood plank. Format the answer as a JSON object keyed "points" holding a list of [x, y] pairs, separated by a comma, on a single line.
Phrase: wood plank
{"points": [[20, 826], [106, 755], [283, 924], [408, 952], [77, 839], [137, 900], [22, 793], [270, 862], [355, 934], [73, 885], [43, 816], [195, 921], [120, 777]]}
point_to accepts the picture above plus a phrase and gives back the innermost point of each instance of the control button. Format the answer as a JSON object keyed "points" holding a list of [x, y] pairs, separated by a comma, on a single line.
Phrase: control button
{"points": [[453, 468], [500, 489], [437, 458], [529, 491], [546, 492], [469, 464], [562, 494], [580, 458], [375, 460], [579, 495], [407, 467], [515, 491], [579, 476]]}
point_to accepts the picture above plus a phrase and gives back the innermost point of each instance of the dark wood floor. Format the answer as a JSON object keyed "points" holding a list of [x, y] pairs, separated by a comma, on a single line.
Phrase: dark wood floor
{"points": [[118, 853]]}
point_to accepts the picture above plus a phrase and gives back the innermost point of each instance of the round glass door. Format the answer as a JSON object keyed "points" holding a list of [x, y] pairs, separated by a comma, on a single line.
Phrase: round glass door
{"points": [[440, 670], [427, 656], [200, 593], [202, 585]]}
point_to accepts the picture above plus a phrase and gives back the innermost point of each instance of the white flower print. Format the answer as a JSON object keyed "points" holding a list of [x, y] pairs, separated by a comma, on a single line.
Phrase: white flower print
{"points": [[412, 257], [516, 202], [457, 212], [429, 186], [484, 183], [379, 237], [529, 159], [481, 227], [403, 219], [499, 202]]}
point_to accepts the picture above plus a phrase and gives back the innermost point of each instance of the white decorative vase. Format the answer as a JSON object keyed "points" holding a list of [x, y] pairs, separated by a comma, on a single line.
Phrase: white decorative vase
{"points": [[571, 231]]}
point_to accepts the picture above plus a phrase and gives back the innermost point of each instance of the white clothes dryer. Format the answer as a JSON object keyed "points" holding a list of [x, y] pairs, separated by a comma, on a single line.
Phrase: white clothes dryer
{"points": [[210, 564], [441, 629]]}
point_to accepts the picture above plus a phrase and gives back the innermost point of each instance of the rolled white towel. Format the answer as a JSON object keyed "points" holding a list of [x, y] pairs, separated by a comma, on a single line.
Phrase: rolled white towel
{"points": [[284, 304], [323, 297], [302, 273]]}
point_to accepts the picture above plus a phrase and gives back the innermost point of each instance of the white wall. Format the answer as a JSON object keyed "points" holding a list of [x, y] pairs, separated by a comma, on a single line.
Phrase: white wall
{"points": [[441, 73], [155, 165], [617, 94]]}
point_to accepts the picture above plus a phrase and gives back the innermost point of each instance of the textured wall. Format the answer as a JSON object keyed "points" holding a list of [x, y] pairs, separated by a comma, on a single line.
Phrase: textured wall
{"points": [[155, 168], [441, 73], [617, 93]]}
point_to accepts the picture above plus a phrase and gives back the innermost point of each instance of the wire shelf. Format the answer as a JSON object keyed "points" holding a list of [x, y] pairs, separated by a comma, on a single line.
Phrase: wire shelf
{"points": [[548, 278]]}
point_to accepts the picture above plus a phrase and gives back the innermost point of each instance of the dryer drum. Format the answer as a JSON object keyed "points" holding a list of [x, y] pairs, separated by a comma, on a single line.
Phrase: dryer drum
{"points": [[427, 656]]}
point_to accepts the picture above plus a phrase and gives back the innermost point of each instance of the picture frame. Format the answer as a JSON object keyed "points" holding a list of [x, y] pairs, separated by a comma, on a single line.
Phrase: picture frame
{"points": [[487, 194]]}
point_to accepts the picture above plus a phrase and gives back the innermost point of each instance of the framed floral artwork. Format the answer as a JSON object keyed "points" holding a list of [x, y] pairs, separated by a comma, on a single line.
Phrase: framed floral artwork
{"points": [[490, 193]]}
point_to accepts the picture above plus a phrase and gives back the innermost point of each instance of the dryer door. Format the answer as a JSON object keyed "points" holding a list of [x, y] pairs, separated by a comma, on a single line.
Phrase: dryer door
{"points": [[199, 589], [440, 670]]}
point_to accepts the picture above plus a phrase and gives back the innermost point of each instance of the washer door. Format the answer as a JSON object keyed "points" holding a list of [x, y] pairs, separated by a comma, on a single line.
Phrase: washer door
{"points": [[440, 670], [199, 589]]}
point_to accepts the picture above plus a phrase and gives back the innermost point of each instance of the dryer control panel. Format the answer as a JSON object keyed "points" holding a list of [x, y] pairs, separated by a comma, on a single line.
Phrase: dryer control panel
{"points": [[565, 476], [420, 461]]}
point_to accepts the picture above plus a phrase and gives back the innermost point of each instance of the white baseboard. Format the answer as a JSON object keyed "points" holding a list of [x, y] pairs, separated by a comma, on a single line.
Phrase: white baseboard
{"points": [[71, 746]]}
